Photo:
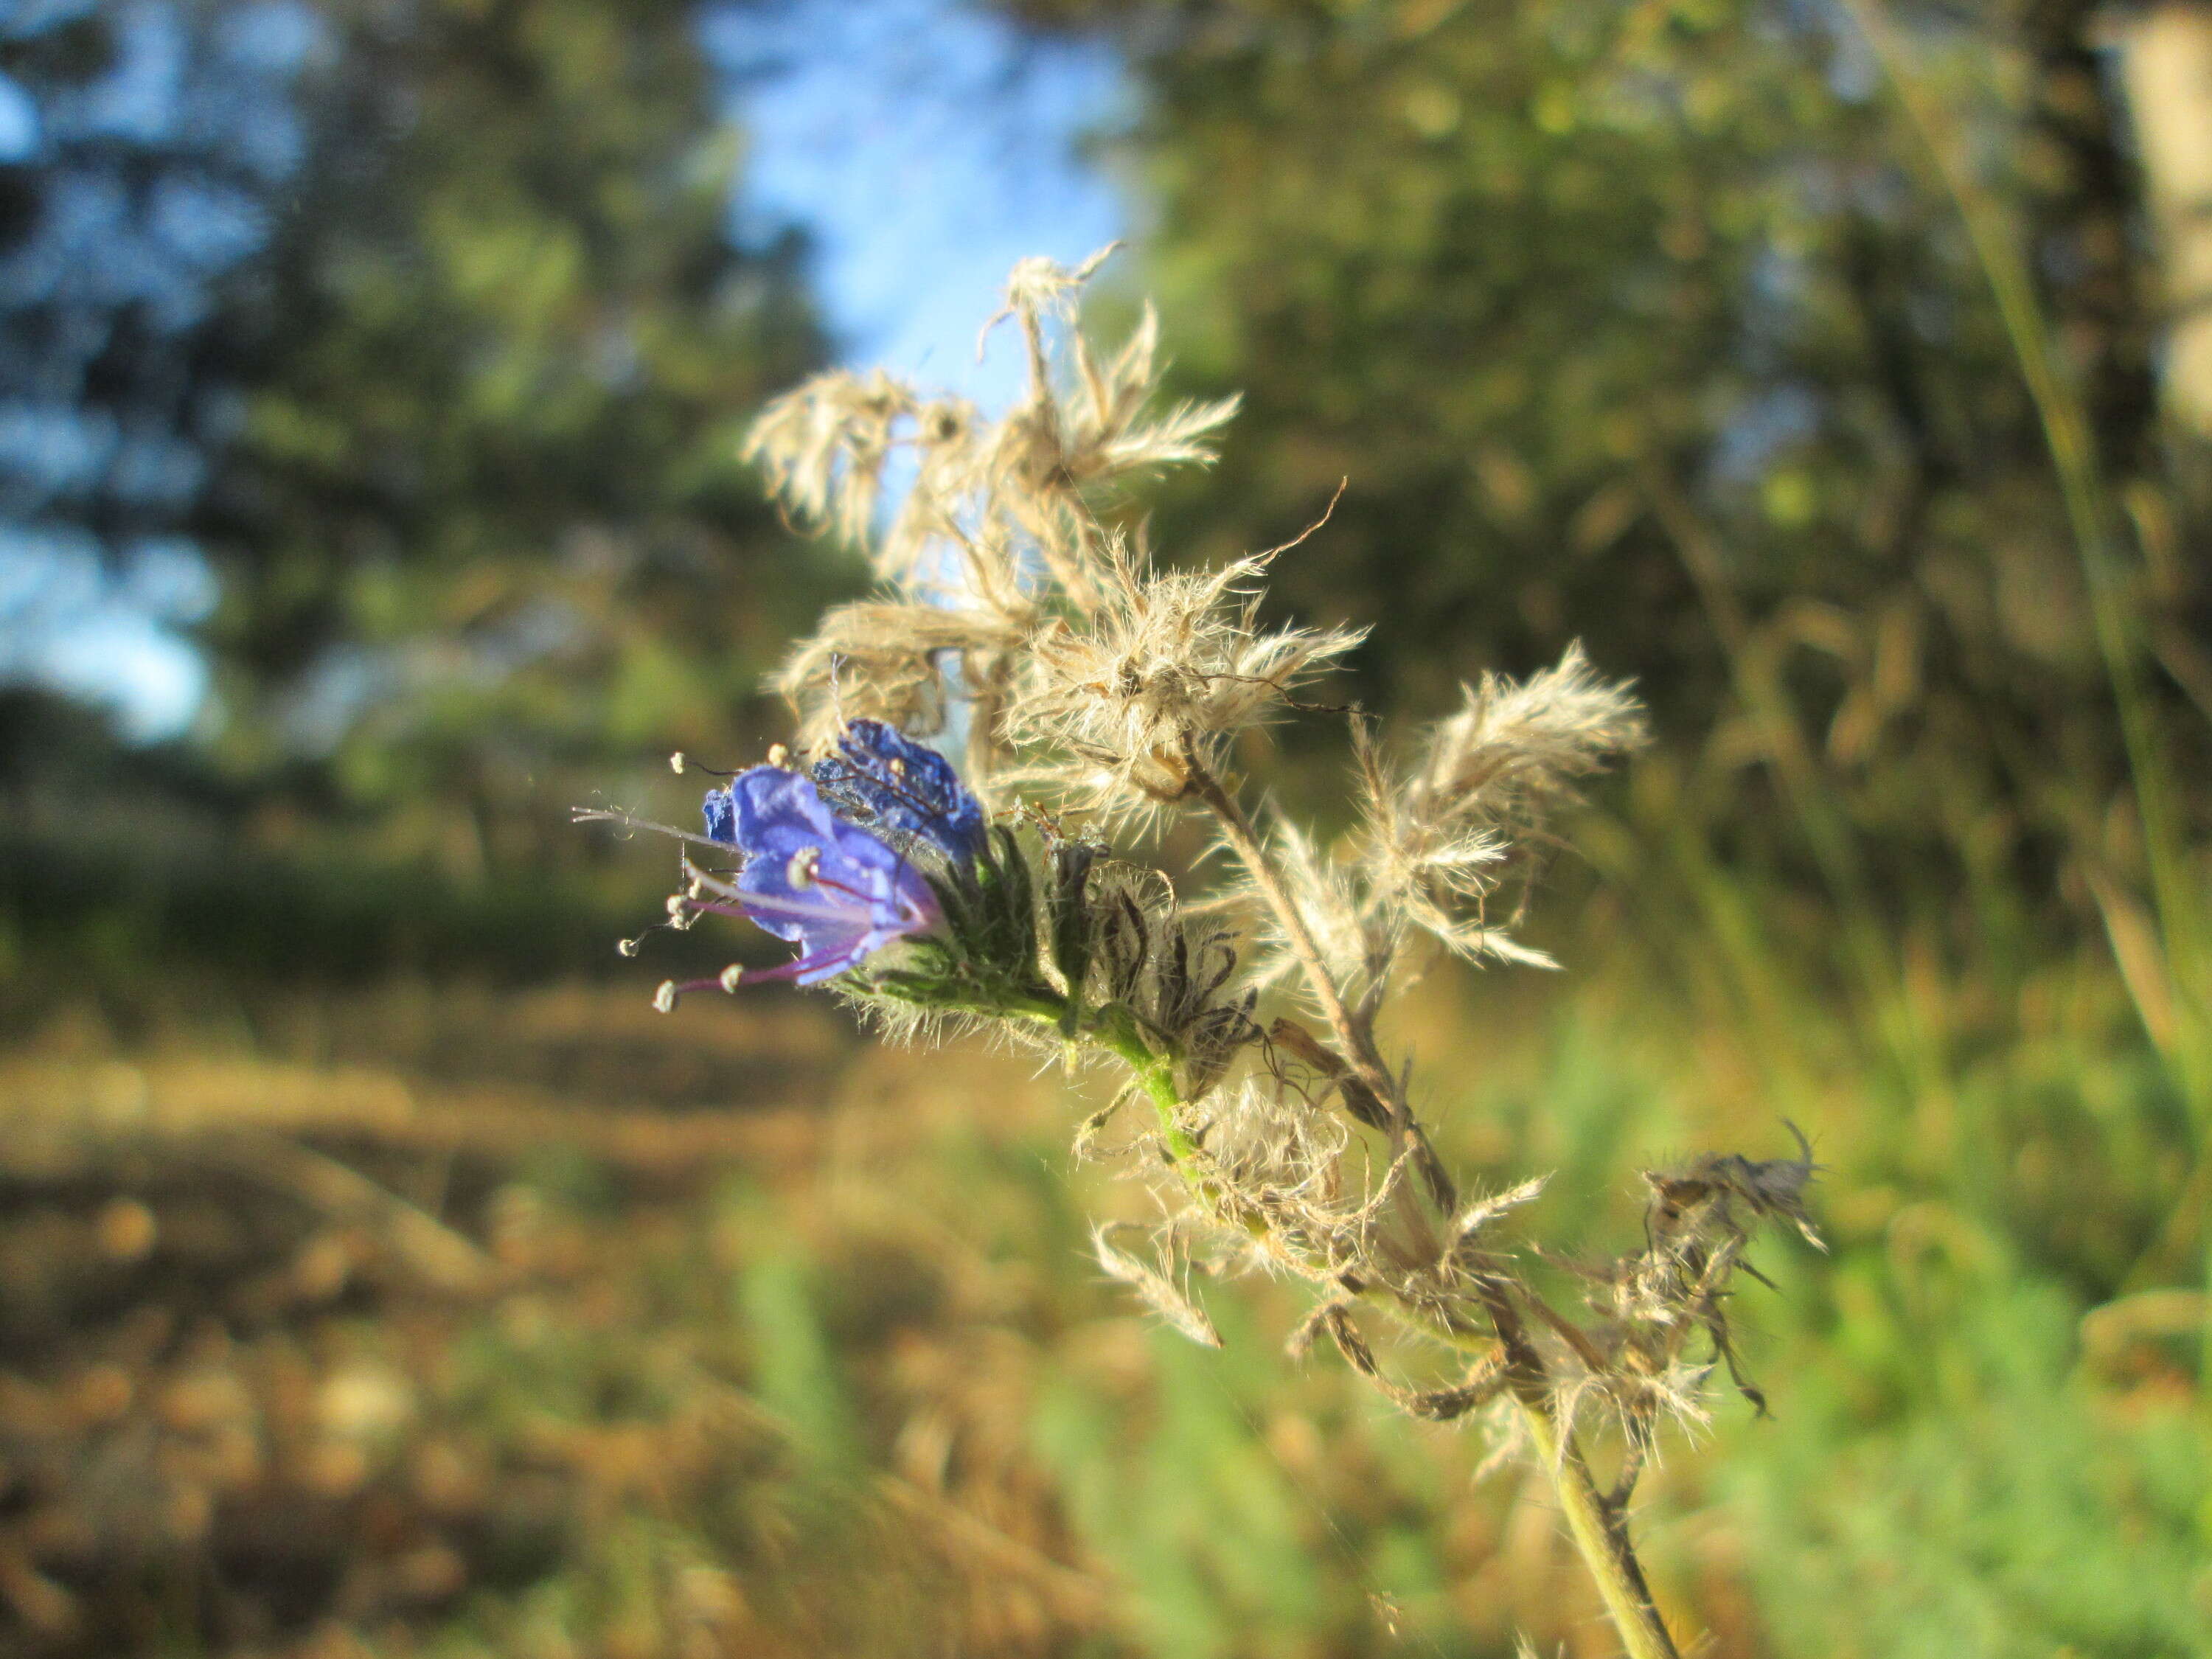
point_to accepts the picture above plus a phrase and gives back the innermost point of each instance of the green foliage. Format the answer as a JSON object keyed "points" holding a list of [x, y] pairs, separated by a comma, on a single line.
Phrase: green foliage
{"points": [[2013, 1506], [482, 533], [1651, 324], [146, 146], [456, 425], [794, 1371], [1189, 1506]]}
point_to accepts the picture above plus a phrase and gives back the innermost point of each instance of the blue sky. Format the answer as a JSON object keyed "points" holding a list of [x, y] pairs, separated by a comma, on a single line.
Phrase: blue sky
{"points": [[929, 147], [922, 143]]}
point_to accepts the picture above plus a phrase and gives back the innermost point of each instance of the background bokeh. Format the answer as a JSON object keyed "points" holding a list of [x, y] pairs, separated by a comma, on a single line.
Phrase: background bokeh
{"points": [[380, 1275]]}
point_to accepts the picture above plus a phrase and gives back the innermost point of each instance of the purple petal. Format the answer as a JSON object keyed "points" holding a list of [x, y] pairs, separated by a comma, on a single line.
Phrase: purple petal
{"points": [[830, 887], [721, 816], [880, 775]]}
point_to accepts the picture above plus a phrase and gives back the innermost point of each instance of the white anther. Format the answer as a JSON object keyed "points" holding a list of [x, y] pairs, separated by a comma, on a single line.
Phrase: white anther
{"points": [[731, 975], [627, 946], [675, 763], [779, 756], [663, 999]]}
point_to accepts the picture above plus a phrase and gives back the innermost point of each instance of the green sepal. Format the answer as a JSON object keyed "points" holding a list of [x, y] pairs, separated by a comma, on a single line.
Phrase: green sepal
{"points": [[1068, 925]]}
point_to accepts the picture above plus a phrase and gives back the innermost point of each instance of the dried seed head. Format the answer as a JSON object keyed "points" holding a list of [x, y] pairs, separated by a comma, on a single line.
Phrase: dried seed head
{"points": [[886, 660], [994, 536], [1699, 1203], [1440, 835], [1268, 1137], [1168, 668], [824, 446]]}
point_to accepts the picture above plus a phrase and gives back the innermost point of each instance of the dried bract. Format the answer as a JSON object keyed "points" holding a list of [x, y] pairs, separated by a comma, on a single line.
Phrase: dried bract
{"points": [[1440, 834], [1157, 1288], [824, 446], [1120, 705]]}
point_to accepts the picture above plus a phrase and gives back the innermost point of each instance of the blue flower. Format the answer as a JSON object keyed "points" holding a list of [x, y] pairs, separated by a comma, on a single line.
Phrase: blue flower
{"points": [[832, 888], [881, 777]]}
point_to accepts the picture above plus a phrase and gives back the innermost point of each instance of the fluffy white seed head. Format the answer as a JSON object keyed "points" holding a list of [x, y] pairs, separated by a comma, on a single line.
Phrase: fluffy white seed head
{"points": [[996, 544], [1441, 832], [1110, 707]]}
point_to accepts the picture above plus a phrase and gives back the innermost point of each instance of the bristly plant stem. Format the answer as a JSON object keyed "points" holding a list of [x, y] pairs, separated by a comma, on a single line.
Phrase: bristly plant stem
{"points": [[1599, 1530], [1117, 1032], [1244, 841], [1600, 1534], [1597, 1526]]}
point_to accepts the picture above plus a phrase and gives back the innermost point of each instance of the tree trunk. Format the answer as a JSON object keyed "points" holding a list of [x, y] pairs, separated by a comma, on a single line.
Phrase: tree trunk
{"points": [[2166, 57]]}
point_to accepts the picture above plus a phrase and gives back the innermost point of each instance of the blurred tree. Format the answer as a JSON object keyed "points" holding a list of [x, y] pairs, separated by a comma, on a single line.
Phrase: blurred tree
{"points": [[2165, 51], [141, 149], [483, 531], [421, 326], [1647, 322]]}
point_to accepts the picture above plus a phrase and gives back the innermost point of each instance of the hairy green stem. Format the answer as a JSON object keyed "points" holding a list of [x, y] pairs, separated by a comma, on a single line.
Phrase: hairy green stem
{"points": [[1118, 1033], [1600, 1535]]}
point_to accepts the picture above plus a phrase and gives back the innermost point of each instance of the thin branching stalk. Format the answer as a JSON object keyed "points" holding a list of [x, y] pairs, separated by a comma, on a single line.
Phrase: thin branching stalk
{"points": [[1237, 831], [1599, 1532]]}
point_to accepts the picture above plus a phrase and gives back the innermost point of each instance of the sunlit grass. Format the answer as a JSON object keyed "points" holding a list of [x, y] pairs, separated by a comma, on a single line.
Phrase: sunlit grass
{"points": [[829, 1369]]}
